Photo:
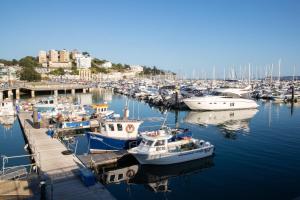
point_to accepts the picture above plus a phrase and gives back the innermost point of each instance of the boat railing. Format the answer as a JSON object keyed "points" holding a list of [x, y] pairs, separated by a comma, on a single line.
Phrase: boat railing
{"points": [[17, 171]]}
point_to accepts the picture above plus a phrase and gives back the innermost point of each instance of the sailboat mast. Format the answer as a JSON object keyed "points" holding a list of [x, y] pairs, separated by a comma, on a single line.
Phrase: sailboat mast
{"points": [[279, 63], [249, 74]]}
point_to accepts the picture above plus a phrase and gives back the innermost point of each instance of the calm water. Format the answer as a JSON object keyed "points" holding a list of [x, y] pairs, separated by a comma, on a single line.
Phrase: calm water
{"points": [[257, 154]]}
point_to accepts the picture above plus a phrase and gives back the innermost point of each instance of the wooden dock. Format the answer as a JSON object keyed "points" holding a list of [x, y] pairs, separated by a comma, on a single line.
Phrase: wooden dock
{"points": [[94, 161], [60, 171]]}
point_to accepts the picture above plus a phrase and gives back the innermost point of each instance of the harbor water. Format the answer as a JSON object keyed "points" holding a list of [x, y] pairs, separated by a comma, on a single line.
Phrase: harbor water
{"points": [[256, 156]]}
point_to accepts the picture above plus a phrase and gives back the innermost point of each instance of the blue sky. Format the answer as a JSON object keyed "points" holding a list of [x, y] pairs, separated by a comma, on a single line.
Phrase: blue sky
{"points": [[182, 36]]}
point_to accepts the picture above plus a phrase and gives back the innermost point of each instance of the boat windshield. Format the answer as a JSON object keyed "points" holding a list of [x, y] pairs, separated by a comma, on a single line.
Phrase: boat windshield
{"points": [[147, 142]]}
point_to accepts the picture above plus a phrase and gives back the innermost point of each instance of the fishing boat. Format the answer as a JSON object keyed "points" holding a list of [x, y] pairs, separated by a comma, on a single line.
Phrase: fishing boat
{"points": [[114, 134], [160, 148], [7, 108]]}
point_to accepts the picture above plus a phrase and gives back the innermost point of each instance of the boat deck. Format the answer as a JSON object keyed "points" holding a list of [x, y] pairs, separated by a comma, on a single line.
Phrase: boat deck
{"points": [[60, 171], [105, 158]]}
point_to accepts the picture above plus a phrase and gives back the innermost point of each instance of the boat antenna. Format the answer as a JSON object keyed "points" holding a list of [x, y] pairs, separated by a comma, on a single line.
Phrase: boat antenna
{"points": [[165, 119]]}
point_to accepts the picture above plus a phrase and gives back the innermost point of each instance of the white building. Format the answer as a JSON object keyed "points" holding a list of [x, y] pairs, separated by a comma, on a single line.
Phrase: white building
{"points": [[136, 68], [107, 65], [59, 64], [83, 62], [7, 73]]}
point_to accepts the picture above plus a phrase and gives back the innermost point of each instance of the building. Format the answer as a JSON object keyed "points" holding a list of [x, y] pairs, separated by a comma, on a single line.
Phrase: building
{"points": [[74, 54], [85, 74], [7, 73], [59, 64], [42, 57], [107, 65], [53, 56], [136, 68], [64, 56], [83, 62]]}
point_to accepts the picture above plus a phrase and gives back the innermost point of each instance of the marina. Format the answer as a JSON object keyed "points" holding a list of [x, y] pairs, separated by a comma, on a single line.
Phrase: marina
{"points": [[149, 100], [226, 130]]}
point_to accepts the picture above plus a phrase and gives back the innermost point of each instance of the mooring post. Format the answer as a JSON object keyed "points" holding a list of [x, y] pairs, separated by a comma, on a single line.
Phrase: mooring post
{"points": [[293, 93], [43, 189]]}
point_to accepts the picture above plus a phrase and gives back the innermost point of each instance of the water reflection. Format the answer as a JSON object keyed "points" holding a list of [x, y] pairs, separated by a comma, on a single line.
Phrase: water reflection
{"points": [[7, 121], [228, 122], [154, 178]]}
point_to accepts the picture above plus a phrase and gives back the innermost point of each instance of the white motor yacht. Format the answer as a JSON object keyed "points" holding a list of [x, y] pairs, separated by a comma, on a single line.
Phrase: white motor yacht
{"points": [[224, 99]]}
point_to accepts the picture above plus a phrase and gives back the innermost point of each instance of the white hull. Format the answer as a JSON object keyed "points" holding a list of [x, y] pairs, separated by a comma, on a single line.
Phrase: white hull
{"points": [[219, 103], [173, 158]]}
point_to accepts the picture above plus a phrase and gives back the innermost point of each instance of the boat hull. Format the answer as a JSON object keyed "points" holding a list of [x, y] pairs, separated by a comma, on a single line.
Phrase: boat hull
{"points": [[214, 104], [98, 143], [173, 158]]}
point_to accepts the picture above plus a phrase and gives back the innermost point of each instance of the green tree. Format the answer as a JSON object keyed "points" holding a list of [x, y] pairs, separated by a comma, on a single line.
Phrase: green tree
{"points": [[96, 70], [74, 70], [28, 61], [85, 53], [29, 74], [58, 72]]}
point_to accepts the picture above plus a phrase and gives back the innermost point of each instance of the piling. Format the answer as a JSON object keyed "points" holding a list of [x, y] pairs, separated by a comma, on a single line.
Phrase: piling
{"points": [[293, 93]]}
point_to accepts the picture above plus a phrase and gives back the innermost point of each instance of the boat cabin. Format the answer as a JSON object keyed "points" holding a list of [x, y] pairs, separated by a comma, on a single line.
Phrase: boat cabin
{"points": [[120, 128], [155, 141], [100, 108]]}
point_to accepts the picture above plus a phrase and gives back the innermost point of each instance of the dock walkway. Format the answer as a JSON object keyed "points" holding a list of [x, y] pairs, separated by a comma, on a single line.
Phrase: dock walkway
{"points": [[58, 169]]}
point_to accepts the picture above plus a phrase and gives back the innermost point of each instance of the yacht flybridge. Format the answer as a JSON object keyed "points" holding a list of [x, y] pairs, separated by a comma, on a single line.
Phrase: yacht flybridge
{"points": [[223, 99]]}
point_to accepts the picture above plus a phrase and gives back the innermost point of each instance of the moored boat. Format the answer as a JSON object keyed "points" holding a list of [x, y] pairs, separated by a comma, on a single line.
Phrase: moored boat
{"points": [[160, 149], [7, 108]]}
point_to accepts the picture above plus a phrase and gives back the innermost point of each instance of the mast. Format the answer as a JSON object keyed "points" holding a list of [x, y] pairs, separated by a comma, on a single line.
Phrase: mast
{"points": [[249, 74], [279, 62], [294, 73]]}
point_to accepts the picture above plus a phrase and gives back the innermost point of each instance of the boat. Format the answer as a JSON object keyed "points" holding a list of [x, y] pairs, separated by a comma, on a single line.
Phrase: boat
{"points": [[7, 108], [160, 148], [222, 99], [114, 134], [101, 110], [47, 106]]}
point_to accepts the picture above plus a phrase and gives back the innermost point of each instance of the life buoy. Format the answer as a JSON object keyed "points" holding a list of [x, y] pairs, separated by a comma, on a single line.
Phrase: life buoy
{"points": [[130, 173], [129, 128]]}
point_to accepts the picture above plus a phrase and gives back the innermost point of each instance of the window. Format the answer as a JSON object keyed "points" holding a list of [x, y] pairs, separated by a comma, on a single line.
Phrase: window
{"points": [[111, 127], [231, 104], [160, 143], [119, 127], [120, 176], [103, 126], [51, 101], [112, 178], [149, 143]]}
